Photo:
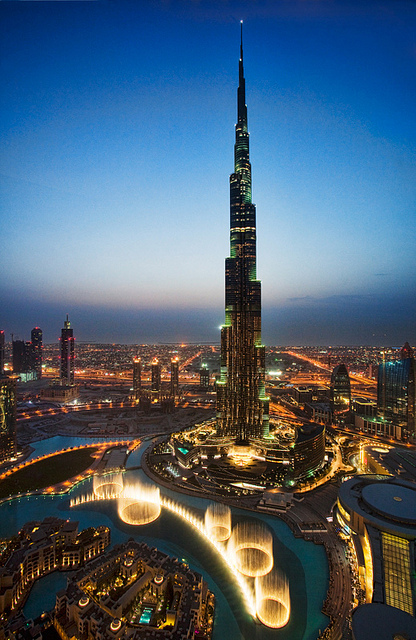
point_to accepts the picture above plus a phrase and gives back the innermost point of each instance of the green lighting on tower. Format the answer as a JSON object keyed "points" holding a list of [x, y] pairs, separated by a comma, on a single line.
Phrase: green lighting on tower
{"points": [[242, 406]]}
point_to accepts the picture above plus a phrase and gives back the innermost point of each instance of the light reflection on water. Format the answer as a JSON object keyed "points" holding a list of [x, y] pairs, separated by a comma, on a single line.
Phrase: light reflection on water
{"points": [[304, 563]]}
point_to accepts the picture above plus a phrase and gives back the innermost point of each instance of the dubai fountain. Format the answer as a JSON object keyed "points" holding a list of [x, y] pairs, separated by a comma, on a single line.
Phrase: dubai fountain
{"points": [[139, 504], [108, 486], [251, 547], [272, 599], [246, 548], [218, 521]]}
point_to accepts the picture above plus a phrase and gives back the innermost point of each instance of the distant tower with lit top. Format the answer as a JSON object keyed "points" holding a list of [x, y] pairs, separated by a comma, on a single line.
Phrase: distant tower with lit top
{"points": [[174, 377], [67, 352], [137, 377], [242, 405], [156, 375], [204, 377]]}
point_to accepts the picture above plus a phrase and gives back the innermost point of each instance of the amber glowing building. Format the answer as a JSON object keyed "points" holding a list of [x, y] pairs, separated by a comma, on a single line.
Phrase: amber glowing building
{"points": [[242, 406], [7, 417]]}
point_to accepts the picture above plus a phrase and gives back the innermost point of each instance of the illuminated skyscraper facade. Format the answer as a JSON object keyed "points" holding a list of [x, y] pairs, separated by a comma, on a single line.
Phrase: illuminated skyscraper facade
{"points": [[67, 348], [242, 406], [340, 388], [7, 417], [396, 391], [204, 377]]}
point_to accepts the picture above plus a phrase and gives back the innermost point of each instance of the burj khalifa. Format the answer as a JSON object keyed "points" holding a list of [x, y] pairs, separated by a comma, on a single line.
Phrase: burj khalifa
{"points": [[242, 405]]}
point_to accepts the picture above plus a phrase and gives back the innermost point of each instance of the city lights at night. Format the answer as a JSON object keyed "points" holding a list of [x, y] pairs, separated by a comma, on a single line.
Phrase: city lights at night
{"points": [[162, 476], [116, 142]]}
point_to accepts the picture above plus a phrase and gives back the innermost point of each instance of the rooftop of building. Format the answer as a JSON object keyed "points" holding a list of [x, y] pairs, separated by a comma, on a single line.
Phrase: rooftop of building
{"points": [[385, 502], [399, 461], [308, 431], [382, 622]]}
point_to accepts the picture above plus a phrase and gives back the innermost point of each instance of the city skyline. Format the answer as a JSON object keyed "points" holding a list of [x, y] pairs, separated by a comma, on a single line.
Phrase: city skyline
{"points": [[118, 125]]}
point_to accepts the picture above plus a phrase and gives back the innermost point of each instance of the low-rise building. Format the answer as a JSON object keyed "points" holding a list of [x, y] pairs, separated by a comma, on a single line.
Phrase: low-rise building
{"points": [[40, 548], [378, 512], [135, 591]]}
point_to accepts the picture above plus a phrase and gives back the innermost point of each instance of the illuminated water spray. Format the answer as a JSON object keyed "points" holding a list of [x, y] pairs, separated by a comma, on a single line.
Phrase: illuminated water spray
{"points": [[251, 547], [218, 521], [247, 549], [107, 487], [139, 504], [273, 599]]}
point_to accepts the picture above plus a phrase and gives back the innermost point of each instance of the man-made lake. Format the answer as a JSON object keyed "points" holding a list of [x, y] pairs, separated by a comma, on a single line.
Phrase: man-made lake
{"points": [[304, 563]]}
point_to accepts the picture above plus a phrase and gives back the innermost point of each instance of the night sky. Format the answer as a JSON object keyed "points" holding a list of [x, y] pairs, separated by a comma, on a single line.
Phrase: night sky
{"points": [[117, 128]]}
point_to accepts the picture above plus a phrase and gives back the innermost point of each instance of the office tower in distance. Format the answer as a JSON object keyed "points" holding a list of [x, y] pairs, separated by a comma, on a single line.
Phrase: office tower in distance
{"points": [[22, 356], [137, 377], [174, 377], [204, 377], [242, 406], [67, 349], [7, 418], [156, 375], [2, 346], [340, 391], [36, 337], [396, 391]]}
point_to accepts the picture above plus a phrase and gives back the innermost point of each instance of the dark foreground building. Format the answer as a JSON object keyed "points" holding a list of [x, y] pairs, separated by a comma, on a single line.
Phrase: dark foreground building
{"points": [[308, 450], [242, 406]]}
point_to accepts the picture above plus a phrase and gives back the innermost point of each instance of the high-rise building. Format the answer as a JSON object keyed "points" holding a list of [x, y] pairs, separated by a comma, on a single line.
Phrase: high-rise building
{"points": [[156, 375], [204, 377], [7, 417], [396, 391], [67, 348], [309, 449], [137, 377], [340, 390], [22, 356], [2, 345], [36, 337], [174, 377], [242, 405]]}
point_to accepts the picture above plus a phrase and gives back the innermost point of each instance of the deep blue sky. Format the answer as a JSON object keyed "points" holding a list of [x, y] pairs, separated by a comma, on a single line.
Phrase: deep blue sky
{"points": [[117, 123]]}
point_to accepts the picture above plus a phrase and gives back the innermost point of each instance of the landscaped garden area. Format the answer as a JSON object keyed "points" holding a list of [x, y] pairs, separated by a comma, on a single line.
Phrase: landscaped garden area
{"points": [[47, 471]]}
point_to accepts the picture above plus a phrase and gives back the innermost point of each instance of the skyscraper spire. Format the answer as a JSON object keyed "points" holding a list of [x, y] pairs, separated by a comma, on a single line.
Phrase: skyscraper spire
{"points": [[242, 408], [241, 93], [241, 42]]}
